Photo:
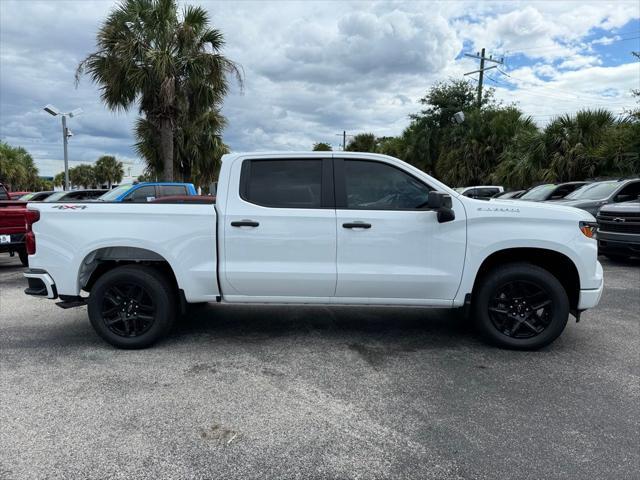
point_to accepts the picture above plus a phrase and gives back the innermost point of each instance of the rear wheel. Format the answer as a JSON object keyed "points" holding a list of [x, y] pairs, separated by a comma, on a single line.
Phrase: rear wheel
{"points": [[520, 306], [24, 258], [132, 306]]}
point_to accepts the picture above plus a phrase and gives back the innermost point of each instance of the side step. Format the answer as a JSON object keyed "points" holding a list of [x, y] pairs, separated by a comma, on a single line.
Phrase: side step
{"points": [[71, 301]]}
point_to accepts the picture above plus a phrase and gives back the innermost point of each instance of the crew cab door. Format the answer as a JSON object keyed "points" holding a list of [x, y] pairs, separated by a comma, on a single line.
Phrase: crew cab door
{"points": [[279, 231], [391, 249]]}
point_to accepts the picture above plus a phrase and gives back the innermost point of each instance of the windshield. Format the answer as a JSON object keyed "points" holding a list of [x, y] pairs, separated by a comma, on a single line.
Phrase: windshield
{"points": [[28, 196], [541, 192], [54, 197], [594, 191], [112, 195]]}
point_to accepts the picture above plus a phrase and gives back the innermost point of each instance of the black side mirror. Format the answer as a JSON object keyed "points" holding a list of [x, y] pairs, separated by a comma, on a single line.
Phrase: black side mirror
{"points": [[438, 200], [441, 203]]}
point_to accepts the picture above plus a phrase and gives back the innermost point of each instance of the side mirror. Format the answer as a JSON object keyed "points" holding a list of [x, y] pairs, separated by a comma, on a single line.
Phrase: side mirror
{"points": [[441, 203], [438, 200]]}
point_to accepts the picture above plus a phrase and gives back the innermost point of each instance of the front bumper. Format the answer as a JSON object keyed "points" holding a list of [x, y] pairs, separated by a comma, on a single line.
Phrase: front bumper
{"points": [[618, 243], [591, 297], [40, 284]]}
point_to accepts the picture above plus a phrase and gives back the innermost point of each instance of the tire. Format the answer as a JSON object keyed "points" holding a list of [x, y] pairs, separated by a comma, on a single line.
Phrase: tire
{"points": [[24, 258], [504, 307], [132, 306]]}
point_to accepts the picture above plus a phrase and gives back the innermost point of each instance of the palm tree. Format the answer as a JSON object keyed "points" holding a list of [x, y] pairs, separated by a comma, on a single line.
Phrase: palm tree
{"points": [[167, 64], [82, 176], [17, 168], [108, 170]]}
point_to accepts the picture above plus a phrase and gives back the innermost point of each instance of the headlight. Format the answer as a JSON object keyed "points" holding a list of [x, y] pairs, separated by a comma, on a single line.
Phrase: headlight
{"points": [[589, 229]]}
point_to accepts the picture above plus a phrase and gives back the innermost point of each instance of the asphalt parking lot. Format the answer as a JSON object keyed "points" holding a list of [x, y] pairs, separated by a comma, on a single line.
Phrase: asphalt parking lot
{"points": [[313, 392]]}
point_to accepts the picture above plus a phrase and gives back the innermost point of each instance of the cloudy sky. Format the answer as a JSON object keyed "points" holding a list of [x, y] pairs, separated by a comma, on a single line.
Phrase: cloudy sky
{"points": [[313, 69]]}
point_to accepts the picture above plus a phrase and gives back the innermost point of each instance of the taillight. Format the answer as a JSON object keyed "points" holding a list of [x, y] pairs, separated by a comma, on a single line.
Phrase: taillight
{"points": [[589, 229], [30, 217]]}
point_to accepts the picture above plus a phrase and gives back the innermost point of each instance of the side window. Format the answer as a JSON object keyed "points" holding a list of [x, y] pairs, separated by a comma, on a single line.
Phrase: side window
{"points": [[630, 192], [378, 186], [3, 193], [171, 190], [471, 193], [141, 194], [486, 192], [282, 183]]}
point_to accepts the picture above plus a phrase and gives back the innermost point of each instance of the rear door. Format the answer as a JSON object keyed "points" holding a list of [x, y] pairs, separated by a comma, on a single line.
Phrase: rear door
{"points": [[391, 249], [279, 230]]}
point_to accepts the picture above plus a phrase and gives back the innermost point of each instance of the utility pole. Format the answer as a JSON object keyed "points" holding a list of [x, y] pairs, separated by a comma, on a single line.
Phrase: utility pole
{"points": [[344, 139], [481, 56], [65, 141]]}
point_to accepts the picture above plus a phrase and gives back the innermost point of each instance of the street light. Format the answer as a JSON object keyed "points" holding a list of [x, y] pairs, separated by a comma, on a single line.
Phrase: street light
{"points": [[66, 133]]}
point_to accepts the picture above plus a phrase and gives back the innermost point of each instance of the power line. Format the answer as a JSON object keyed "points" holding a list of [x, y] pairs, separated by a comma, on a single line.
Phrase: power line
{"points": [[480, 56]]}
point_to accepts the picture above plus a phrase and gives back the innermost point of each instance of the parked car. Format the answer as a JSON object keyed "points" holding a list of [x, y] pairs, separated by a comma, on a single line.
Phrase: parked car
{"points": [[594, 195], [75, 196], [619, 230], [513, 194], [17, 195], [482, 192], [147, 191], [13, 229], [551, 191], [319, 228], [36, 196]]}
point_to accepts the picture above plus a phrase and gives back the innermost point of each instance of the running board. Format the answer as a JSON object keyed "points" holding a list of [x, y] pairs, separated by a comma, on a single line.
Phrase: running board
{"points": [[71, 301]]}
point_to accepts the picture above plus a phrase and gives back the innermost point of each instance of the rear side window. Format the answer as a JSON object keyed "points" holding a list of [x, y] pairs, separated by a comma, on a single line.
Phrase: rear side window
{"points": [[378, 186], [3, 193], [282, 183], [171, 190]]}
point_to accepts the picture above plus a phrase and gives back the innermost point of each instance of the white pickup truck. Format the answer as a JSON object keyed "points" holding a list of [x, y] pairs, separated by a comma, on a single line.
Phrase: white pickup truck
{"points": [[318, 228]]}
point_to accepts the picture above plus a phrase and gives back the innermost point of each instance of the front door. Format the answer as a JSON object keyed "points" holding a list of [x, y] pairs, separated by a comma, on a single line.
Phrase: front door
{"points": [[390, 248], [280, 231]]}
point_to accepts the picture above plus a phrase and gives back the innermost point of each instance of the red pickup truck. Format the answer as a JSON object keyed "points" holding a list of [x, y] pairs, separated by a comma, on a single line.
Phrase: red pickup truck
{"points": [[12, 226]]}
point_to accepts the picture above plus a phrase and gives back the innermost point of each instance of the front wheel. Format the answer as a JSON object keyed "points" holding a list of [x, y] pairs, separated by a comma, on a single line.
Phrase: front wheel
{"points": [[520, 306], [132, 306]]}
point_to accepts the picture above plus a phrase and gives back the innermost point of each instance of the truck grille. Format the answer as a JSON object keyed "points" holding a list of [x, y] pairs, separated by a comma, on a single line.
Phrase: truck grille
{"points": [[628, 222]]}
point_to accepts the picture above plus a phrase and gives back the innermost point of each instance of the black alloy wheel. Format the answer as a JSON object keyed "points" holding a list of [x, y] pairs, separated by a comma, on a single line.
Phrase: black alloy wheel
{"points": [[128, 310], [521, 309], [520, 306], [132, 306]]}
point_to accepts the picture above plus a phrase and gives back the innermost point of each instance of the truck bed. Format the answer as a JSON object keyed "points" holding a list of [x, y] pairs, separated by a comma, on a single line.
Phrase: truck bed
{"points": [[76, 237]]}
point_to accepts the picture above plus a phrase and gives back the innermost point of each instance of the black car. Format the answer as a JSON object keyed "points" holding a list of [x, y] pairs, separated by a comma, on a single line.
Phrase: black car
{"points": [[551, 191], [36, 196], [75, 196], [619, 230], [593, 196]]}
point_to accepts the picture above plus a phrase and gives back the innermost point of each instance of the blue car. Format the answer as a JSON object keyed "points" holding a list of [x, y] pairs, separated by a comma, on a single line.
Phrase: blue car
{"points": [[147, 192]]}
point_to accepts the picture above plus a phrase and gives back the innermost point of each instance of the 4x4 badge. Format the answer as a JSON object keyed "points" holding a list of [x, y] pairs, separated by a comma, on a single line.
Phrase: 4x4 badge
{"points": [[69, 207]]}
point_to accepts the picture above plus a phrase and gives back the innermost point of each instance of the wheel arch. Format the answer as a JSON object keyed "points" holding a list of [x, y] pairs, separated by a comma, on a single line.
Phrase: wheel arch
{"points": [[101, 260], [556, 263]]}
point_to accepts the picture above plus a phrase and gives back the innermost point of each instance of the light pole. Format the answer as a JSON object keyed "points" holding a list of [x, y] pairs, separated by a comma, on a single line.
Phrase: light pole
{"points": [[66, 133]]}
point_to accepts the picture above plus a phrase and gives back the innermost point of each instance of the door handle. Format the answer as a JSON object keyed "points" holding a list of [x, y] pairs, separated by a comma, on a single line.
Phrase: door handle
{"points": [[244, 223], [356, 225]]}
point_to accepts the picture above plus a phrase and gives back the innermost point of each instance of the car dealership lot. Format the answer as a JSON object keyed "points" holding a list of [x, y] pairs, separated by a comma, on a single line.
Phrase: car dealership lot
{"points": [[313, 392]]}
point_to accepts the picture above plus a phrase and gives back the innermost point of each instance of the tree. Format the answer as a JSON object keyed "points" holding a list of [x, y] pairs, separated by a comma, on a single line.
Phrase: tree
{"points": [[169, 65], [108, 170], [82, 176], [363, 142], [17, 169], [322, 147]]}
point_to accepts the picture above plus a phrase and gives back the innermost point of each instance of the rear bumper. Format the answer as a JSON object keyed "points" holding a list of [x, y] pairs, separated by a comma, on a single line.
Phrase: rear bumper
{"points": [[591, 297], [16, 243], [40, 284]]}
